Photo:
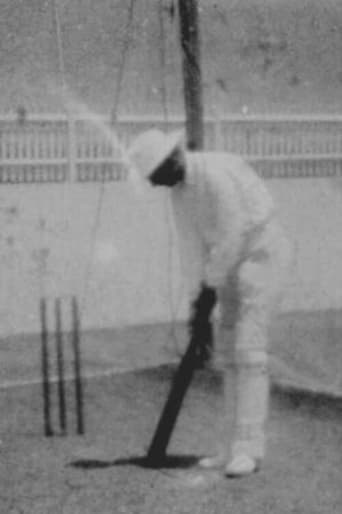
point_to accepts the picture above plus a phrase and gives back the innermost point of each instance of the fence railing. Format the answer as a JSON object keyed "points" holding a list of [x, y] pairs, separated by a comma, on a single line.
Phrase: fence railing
{"points": [[57, 148]]}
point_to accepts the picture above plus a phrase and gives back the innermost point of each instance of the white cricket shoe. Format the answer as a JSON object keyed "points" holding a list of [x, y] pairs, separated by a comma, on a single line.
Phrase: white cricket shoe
{"points": [[216, 461], [241, 465]]}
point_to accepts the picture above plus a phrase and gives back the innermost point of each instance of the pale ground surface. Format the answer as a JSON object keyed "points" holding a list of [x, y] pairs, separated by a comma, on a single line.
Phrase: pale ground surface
{"points": [[101, 471]]}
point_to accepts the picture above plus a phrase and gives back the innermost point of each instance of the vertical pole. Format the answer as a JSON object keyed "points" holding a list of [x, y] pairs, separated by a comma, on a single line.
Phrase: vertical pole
{"points": [[61, 64], [60, 367], [72, 148], [190, 44], [45, 369], [77, 366], [219, 145]]}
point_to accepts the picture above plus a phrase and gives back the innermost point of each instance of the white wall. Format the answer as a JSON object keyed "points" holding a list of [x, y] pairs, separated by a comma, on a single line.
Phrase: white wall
{"points": [[134, 276], [311, 211]]}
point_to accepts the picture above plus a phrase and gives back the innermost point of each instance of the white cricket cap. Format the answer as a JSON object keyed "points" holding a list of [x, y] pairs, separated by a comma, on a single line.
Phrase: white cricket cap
{"points": [[152, 148]]}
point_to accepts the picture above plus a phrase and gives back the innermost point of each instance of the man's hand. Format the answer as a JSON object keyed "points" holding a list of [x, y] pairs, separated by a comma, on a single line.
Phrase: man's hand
{"points": [[200, 323], [205, 303]]}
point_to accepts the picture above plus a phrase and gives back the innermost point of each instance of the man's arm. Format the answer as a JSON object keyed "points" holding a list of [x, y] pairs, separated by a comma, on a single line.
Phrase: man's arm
{"points": [[223, 251]]}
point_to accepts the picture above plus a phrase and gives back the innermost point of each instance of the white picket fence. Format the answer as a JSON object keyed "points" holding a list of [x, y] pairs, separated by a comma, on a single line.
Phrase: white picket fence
{"points": [[57, 148]]}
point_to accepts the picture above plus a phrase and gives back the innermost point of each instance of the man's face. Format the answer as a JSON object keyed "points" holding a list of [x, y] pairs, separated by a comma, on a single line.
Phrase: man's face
{"points": [[170, 172]]}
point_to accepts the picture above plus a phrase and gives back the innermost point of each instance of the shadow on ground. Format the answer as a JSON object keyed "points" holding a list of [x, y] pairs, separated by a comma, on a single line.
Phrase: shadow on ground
{"points": [[167, 462]]}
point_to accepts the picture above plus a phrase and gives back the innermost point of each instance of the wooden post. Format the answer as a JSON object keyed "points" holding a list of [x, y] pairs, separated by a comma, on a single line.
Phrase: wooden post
{"points": [[76, 342], [72, 148], [190, 44], [218, 132], [60, 366], [45, 368]]}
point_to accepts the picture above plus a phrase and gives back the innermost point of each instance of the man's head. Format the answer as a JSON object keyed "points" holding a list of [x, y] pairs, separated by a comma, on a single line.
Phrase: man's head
{"points": [[159, 157]]}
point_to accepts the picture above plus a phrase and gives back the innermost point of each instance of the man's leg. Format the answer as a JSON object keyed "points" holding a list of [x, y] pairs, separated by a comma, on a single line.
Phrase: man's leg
{"points": [[259, 286], [224, 361], [250, 392]]}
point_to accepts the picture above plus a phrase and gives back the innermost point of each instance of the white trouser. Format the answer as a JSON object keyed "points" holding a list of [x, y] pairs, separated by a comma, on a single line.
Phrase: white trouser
{"points": [[248, 304]]}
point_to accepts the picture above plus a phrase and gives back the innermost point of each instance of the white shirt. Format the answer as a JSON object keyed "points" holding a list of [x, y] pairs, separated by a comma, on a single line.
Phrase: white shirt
{"points": [[218, 206]]}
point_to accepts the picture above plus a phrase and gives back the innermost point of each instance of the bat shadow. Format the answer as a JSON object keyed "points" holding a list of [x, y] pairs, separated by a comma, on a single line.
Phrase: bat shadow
{"points": [[172, 461]]}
